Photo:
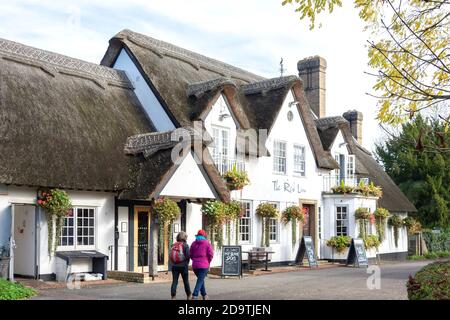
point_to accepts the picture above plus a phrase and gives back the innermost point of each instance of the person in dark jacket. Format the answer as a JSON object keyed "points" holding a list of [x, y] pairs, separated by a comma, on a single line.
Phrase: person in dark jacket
{"points": [[181, 268], [201, 254]]}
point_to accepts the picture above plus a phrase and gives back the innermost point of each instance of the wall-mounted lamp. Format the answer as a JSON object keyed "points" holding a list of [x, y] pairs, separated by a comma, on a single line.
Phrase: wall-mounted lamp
{"points": [[223, 116], [342, 144], [292, 103]]}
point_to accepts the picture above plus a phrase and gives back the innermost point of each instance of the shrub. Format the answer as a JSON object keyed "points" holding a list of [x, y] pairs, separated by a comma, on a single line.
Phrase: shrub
{"points": [[14, 291], [432, 282], [437, 241], [339, 243]]}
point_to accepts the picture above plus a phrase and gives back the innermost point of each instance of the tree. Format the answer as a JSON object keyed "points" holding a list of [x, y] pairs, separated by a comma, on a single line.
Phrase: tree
{"points": [[410, 49], [424, 177]]}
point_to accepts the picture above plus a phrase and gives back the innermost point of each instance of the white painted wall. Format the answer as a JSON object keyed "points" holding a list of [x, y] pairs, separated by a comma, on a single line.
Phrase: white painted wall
{"points": [[188, 182], [193, 220], [154, 109], [102, 201]]}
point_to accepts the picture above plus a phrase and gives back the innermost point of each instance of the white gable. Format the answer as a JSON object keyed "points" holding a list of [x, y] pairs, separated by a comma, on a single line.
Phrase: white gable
{"points": [[147, 98], [188, 181]]}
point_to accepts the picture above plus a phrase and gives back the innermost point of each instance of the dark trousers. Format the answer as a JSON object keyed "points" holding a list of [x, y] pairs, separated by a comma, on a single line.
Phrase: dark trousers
{"points": [[176, 271], [200, 285]]}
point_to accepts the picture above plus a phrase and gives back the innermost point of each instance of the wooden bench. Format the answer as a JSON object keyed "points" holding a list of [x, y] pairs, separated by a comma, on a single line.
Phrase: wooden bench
{"points": [[258, 256]]}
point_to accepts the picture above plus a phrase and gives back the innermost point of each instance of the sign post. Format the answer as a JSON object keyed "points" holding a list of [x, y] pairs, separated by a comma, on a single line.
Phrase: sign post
{"points": [[357, 254], [232, 261], [306, 247]]}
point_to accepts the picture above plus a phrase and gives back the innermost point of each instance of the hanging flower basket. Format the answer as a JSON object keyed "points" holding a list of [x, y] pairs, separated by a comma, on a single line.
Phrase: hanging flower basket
{"points": [[362, 215], [371, 241], [294, 214], [396, 223], [380, 215], [266, 211], [236, 179], [57, 205], [412, 225]]}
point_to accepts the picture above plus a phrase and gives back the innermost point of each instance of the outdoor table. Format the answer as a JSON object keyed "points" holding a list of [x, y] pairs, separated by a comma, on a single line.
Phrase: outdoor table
{"points": [[257, 254]]}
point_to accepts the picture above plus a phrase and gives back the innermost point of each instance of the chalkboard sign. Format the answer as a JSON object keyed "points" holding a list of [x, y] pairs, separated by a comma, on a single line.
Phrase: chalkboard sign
{"points": [[306, 247], [357, 254], [232, 261]]}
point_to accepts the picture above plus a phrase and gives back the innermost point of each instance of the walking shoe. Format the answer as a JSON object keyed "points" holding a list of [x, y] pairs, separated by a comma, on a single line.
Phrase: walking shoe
{"points": [[189, 297], [194, 298], [174, 297], [205, 297]]}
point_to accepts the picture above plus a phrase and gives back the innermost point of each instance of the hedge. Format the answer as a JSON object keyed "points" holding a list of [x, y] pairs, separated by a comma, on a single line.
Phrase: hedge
{"points": [[437, 242], [432, 282]]}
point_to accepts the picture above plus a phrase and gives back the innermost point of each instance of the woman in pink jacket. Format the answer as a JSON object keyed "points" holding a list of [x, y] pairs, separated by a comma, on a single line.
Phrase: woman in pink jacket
{"points": [[201, 254]]}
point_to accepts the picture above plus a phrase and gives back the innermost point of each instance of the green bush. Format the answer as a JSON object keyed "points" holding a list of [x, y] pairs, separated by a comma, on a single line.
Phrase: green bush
{"points": [[432, 282], [14, 291], [437, 241]]}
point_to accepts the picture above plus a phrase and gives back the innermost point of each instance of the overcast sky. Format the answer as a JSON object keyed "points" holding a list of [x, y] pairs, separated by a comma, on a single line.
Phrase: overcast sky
{"points": [[251, 34]]}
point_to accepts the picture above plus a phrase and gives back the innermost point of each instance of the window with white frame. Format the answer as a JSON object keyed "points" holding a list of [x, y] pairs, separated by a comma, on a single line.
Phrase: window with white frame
{"points": [[350, 166], [221, 147], [274, 226], [341, 220], [279, 157], [337, 172], [245, 223], [299, 160], [78, 229]]}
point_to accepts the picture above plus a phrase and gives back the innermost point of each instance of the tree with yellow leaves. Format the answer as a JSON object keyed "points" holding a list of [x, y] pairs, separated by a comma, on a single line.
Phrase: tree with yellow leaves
{"points": [[410, 49]]}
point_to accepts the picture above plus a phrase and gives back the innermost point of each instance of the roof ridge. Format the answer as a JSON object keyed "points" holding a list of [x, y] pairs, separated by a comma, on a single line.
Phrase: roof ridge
{"points": [[268, 84], [198, 88], [59, 61], [161, 47]]}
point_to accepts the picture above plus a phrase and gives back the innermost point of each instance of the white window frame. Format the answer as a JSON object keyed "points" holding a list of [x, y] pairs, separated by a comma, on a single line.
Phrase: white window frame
{"points": [[350, 166], [218, 147], [346, 220], [299, 162], [277, 224], [75, 227], [276, 163], [249, 220]]}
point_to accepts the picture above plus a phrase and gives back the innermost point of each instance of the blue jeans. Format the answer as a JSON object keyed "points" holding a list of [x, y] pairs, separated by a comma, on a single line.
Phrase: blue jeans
{"points": [[176, 271], [200, 285]]}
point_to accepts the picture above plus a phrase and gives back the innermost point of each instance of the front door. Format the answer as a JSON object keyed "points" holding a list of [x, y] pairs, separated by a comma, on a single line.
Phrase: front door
{"points": [[24, 240], [309, 226], [141, 238]]}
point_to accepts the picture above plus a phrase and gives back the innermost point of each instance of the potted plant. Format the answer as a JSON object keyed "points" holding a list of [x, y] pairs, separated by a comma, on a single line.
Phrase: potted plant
{"points": [[4, 261], [339, 243], [342, 188], [293, 214], [380, 215], [266, 211], [236, 179], [369, 190], [371, 242], [56, 204], [396, 223]]}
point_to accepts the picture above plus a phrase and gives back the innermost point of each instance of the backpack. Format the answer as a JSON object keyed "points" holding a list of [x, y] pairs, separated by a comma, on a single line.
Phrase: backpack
{"points": [[177, 253]]}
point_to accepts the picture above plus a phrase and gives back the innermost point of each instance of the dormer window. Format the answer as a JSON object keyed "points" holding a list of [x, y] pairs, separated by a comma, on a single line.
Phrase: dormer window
{"points": [[221, 147]]}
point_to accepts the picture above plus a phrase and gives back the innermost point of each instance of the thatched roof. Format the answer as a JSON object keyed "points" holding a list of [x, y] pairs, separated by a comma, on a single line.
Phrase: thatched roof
{"points": [[188, 83], [64, 121], [393, 198]]}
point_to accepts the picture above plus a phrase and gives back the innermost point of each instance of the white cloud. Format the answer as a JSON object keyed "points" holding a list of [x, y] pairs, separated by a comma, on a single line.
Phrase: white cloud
{"points": [[251, 34]]}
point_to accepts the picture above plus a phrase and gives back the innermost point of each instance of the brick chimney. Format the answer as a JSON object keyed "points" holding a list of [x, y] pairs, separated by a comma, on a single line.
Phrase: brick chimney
{"points": [[355, 118], [312, 71]]}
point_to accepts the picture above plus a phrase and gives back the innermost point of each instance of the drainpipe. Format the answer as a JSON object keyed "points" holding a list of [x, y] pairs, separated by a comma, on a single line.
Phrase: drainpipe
{"points": [[37, 239]]}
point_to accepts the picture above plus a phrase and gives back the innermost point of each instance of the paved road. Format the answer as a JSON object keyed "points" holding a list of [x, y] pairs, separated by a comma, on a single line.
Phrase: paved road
{"points": [[332, 283]]}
